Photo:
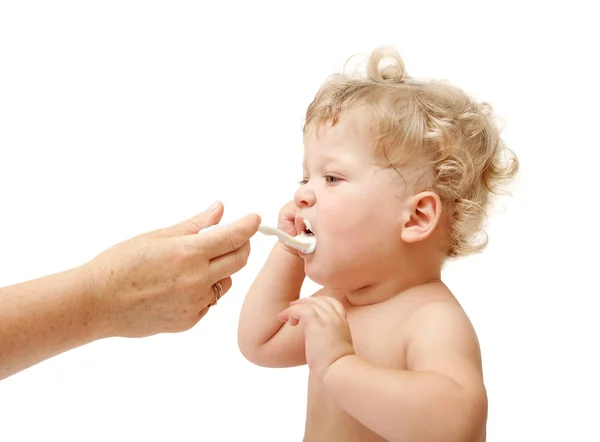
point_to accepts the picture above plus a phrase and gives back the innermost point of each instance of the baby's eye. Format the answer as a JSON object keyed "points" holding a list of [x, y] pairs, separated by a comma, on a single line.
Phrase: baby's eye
{"points": [[331, 179], [303, 181]]}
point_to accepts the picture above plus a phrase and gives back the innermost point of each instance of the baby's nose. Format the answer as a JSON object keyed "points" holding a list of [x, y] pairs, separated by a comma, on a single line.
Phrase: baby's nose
{"points": [[304, 197]]}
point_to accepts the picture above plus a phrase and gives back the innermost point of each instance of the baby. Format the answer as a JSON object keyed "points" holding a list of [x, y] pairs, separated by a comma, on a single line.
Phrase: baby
{"points": [[397, 177]]}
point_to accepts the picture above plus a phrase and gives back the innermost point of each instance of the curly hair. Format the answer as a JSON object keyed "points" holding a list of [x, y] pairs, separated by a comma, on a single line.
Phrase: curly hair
{"points": [[432, 128]]}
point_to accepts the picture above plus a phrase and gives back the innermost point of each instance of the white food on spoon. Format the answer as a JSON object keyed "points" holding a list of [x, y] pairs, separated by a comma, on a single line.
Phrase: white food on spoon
{"points": [[306, 241]]}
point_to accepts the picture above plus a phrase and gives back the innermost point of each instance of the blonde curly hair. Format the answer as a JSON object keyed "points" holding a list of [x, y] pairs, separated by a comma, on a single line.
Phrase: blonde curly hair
{"points": [[431, 128]]}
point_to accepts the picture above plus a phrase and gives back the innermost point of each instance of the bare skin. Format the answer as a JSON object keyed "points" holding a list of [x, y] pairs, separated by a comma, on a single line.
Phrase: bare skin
{"points": [[392, 356], [350, 399], [158, 282], [411, 371]]}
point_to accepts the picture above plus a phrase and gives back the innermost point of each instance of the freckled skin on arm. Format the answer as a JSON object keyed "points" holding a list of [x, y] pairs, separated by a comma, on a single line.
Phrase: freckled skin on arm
{"points": [[157, 282], [42, 318]]}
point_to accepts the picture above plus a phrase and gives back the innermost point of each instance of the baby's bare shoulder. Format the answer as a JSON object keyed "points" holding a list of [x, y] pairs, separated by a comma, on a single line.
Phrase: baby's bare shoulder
{"points": [[441, 338]]}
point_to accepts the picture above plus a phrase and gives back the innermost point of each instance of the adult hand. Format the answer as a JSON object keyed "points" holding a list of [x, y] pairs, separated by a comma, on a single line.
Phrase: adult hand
{"points": [[162, 281]]}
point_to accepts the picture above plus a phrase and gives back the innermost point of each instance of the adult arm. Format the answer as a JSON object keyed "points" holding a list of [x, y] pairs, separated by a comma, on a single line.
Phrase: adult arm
{"points": [[161, 281]]}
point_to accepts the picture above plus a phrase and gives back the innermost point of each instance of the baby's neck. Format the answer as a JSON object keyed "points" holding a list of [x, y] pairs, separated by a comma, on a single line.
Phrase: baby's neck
{"points": [[410, 273], [385, 290]]}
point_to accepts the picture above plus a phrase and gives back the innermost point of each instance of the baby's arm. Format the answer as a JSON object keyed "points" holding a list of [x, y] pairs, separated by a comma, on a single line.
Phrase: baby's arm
{"points": [[441, 395], [262, 338]]}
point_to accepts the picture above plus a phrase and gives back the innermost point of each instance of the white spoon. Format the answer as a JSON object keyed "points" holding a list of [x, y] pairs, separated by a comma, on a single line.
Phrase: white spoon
{"points": [[303, 242]]}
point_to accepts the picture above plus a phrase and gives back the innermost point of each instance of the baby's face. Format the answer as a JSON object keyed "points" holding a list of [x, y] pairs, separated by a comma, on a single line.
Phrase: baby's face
{"points": [[353, 205]]}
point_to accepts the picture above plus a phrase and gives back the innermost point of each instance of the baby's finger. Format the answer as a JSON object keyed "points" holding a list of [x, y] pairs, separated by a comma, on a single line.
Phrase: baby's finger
{"points": [[305, 313], [337, 305], [288, 212], [325, 312], [324, 306], [285, 317]]}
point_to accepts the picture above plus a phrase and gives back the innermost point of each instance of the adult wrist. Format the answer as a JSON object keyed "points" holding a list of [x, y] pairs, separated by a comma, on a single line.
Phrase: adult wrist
{"points": [[95, 287]]}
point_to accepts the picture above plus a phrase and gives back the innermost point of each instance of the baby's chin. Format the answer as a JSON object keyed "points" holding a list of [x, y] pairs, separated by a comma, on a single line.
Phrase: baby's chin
{"points": [[329, 276]]}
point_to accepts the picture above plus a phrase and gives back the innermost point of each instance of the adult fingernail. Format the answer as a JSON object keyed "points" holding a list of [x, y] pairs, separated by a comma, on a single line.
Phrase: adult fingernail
{"points": [[213, 206]]}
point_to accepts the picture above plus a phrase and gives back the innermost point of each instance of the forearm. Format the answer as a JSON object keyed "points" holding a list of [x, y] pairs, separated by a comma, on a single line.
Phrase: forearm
{"points": [[277, 284], [42, 318], [404, 405]]}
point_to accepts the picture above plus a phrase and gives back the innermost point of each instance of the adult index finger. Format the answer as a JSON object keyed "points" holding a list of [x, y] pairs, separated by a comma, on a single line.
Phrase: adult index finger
{"points": [[224, 239]]}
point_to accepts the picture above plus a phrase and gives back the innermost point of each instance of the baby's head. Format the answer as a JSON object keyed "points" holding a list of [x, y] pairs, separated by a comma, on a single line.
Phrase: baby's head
{"points": [[422, 161]]}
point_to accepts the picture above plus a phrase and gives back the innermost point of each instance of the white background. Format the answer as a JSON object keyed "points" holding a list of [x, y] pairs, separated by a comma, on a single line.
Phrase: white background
{"points": [[118, 117]]}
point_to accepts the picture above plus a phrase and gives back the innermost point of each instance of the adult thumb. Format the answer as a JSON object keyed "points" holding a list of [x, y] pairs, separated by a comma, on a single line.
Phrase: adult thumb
{"points": [[200, 221]]}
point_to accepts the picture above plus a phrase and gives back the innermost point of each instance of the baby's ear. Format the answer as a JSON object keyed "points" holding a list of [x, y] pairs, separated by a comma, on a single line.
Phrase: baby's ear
{"points": [[423, 212]]}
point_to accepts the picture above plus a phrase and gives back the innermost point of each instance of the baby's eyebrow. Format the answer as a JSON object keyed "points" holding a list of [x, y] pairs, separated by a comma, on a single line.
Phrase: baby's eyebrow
{"points": [[325, 161], [305, 168]]}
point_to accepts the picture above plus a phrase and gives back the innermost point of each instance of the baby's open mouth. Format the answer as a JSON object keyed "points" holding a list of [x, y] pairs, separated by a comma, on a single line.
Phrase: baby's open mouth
{"points": [[307, 228]]}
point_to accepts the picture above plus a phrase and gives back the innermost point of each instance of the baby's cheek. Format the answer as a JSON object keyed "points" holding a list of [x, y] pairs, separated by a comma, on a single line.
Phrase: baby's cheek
{"points": [[345, 232]]}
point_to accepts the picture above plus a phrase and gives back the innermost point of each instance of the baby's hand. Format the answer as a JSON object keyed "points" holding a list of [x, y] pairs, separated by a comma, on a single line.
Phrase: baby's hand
{"points": [[327, 333], [287, 223]]}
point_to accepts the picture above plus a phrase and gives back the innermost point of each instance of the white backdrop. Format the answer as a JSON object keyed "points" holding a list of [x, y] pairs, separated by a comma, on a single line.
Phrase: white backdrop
{"points": [[118, 117]]}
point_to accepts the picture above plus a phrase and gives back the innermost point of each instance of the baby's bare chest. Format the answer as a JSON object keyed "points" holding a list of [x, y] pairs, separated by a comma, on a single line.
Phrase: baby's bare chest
{"points": [[379, 336], [380, 340]]}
